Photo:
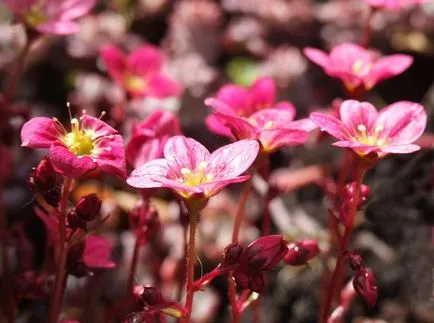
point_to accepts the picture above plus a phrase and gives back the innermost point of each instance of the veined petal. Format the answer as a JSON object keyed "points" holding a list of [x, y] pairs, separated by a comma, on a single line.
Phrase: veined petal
{"points": [[97, 125], [359, 148], [330, 124], [145, 61], [263, 92], [110, 156], [274, 139], [182, 152], [220, 106], [271, 118], [185, 191], [237, 98], [115, 62], [40, 132], [239, 127], [403, 122], [212, 188], [317, 56], [68, 164], [305, 124], [354, 113], [232, 160], [141, 149], [387, 67], [148, 175]]}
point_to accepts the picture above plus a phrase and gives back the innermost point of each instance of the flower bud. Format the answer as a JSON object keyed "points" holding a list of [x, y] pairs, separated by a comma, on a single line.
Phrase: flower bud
{"points": [[350, 190], [47, 182], [257, 283], [88, 207], [264, 253], [355, 260], [232, 254], [152, 296], [75, 222], [365, 286], [300, 252]]}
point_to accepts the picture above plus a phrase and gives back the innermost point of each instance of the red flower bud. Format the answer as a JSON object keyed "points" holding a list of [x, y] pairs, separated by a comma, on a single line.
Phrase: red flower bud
{"points": [[264, 253], [257, 283], [355, 260], [365, 286], [152, 296], [47, 182], [349, 192], [75, 222], [88, 207], [300, 252], [232, 254], [144, 221]]}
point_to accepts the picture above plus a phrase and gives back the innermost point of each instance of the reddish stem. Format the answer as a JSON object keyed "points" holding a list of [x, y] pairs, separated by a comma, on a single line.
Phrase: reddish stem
{"points": [[334, 285], [134, 262], [191, 257], [368, 29], [266, 219], [56, 296]]}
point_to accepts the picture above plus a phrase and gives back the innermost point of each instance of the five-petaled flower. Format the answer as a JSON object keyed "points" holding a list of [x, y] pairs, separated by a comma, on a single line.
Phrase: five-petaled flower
{"points": [[357, 67], [51, 16], [192, 171], [251, 114], [393, 4], [363, 129], [149, 137], [90, 144], [141, 73]]}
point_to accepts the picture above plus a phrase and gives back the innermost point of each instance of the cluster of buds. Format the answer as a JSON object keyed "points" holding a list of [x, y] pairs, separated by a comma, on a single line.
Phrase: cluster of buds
{"points": [[86, 210], [364, 280], [144, 221], [46, 182], [152, 302]]}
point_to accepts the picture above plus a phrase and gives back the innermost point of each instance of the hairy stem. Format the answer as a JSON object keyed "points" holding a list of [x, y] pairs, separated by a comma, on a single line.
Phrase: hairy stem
{"points": [[57, 294]]}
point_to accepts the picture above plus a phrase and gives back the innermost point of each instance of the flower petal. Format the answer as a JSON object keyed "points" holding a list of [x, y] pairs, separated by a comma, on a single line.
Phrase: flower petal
{"points": [[111, 156], [232, 160], [286, 106], [115, 62], [237, 98], [354, 113], [182, 152], [317, 56], [403, 122], [72, 9], [146, 60], [68, 164], [162, 86], [141, 149], [217, 127], [147, 176], [401, 149], [62, 27], [305, 124], [100, 128], [387, 67], [212, 188], [220, 106], [40, 132], [263, 92], [274, 139], [330, 124], [240, 128]]}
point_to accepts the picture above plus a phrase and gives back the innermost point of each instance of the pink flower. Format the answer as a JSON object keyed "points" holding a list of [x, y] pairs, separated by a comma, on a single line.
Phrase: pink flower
{"points": [[358, 67], [363, 129], [149, 137], [90, 144], [141, 73], [192, 171], [393, 4], [241, 113], [90, 255], [51, 16]]}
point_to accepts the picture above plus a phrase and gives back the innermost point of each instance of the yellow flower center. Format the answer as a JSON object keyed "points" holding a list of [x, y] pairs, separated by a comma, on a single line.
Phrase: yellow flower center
{"points": [[361, 68], [195, 177], [36, 15], [372, 139], [79, 141], [134, 83]]}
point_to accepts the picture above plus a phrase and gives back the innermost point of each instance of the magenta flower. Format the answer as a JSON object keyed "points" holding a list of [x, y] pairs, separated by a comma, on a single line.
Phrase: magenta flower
{"points": [[141, 73], [358, 67], [192, 171], [50, 16], [363, 129], [91, 144], [393, 4], [149, 137]]}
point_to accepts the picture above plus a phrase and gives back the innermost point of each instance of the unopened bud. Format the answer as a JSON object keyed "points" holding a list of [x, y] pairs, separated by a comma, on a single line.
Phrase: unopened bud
{"points": [[264, 253], [88, 207], [47, 182], [152, 296], [75, 222], [232, 254], [355, 260], [300, 252], [365, 286], [257, 283]]}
